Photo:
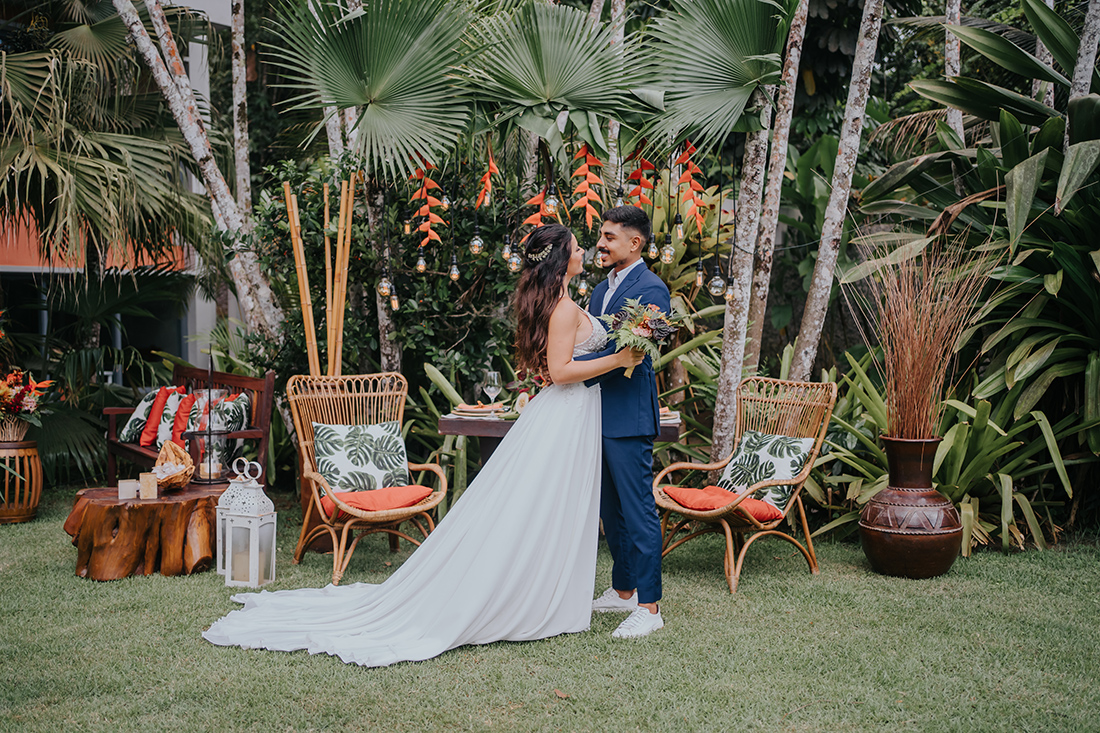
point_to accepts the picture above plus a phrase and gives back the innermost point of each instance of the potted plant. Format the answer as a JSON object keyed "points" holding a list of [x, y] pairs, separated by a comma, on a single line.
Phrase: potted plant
{"points": [[917, 305], [21, 481]]}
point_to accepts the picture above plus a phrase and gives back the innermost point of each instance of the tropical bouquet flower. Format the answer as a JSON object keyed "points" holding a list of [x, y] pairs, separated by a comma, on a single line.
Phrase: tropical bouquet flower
{"points": [[19, 403], [642, 327]]}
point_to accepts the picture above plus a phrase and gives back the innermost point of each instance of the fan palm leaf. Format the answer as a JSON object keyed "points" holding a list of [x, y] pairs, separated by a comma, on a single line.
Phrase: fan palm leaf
{"points": [[394, 60], [710, 56], [544, 64]]}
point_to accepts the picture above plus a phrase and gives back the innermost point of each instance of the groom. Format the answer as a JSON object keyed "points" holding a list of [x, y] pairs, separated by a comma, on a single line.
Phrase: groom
{"points": [[631, 421]]}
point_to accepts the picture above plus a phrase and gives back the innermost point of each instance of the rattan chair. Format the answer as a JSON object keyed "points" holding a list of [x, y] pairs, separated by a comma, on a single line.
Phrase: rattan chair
{"points": [[351, 400], [797, 409]]}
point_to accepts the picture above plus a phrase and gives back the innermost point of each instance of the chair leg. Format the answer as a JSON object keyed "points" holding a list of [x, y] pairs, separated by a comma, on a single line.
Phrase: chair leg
{"points": [[112, 467], [730, 563], [341, 554], [305, 536], [811, 555], [395, 543]]}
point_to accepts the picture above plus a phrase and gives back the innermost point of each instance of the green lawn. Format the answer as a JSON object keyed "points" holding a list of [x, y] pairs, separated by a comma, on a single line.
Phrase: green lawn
{"points": [[1000, 643]]}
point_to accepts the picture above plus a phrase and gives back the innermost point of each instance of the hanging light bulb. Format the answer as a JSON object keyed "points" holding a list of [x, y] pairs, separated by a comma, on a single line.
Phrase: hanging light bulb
{"points": [[679, 222], [445, 202], [506, 252], [385, 287], [454, 274], [668, 252], [652, 253], [619, 196], [394, 302], [582, 288], [476, 242], [699, 274], [717, 286], [408, 227], [514, 263], [550, 203], [731, 292], [421, 263]]}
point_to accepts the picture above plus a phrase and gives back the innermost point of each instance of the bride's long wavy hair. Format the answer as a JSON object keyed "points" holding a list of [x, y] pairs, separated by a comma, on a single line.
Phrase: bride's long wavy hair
{"points": [[538, 293]]}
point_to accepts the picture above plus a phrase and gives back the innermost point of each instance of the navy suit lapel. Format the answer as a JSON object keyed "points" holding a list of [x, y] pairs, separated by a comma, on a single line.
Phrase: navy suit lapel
{"points": [[618, 300], [595, 306]]}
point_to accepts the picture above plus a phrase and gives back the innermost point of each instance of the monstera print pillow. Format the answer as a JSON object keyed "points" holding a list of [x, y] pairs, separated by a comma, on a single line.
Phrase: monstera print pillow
{"points": [[131, 431], [766, 457], [361, 457]]}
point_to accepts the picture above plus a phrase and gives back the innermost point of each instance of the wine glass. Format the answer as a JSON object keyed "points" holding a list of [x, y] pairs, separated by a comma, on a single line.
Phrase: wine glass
{"points": [[492, 385]]}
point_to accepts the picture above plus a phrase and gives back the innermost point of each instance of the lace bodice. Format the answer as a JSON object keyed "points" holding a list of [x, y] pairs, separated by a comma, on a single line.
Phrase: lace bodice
{"points": [[596, 341]]}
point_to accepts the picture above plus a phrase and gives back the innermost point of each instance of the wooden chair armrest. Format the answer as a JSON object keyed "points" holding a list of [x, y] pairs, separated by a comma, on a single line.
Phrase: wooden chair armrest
{"points": [[118, 410], [252, 433], [315, 479], [433, 468], [688, 466]]}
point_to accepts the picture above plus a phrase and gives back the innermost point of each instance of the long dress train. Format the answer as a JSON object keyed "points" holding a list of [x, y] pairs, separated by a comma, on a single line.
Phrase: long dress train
{"points": [[514, 559]]}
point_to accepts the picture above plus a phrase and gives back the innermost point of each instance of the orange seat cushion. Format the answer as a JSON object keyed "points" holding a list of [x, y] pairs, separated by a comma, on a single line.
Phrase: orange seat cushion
{"points": [[379, 500], [713, 497]]}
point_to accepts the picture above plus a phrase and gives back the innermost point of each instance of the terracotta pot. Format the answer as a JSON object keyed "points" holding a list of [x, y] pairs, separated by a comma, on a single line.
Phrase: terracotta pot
{"points": [[19, 494], [909, 529]]}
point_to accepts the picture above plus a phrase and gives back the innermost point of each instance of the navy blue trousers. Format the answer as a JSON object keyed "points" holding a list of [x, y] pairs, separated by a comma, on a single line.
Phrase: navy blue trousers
{"points": [[630, 520]]}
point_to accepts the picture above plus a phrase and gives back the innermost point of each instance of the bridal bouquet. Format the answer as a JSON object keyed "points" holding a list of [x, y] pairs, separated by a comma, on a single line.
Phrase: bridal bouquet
{"points": [[641, 327]]}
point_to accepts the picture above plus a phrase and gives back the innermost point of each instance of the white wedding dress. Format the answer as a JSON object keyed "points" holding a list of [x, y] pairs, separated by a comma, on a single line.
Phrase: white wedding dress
{"points": [[514, 559]]}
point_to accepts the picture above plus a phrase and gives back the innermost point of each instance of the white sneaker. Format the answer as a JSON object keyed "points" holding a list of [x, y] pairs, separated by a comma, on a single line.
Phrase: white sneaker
{"points": [[638, 624], [611, 602]]}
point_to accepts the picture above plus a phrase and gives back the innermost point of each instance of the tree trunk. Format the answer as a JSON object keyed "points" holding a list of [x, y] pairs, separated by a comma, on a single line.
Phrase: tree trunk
{"points": [[240, 119], [777, 164], [1086, 58], [529, 163], [821, 285], [737, 309], [334, 120], [612, 172], [595, 11], [952, 62], [257, 303], [1043, 54], [389, 350]]}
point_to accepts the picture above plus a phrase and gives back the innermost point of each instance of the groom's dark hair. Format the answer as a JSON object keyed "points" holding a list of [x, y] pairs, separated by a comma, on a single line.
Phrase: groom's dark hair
{"points": [[631, 217]]}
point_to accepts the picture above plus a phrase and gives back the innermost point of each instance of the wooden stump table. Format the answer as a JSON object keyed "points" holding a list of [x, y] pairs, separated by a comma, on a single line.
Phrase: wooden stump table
{"points": [[116, 538]]}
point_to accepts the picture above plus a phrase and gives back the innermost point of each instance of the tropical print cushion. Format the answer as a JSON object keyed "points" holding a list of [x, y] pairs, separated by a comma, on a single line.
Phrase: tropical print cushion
{"points": [[361, 457], [151, 431], [766, 457], [168, 416], [131, 431], [232, 413]]}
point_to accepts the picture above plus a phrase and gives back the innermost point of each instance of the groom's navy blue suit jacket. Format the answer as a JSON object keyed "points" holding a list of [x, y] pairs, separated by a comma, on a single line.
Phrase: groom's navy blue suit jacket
{"points": [[630, 406]]}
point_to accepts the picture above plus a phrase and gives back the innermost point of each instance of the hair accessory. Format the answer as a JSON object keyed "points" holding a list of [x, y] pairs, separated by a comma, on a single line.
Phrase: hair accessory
{"points": [[541, 254]]}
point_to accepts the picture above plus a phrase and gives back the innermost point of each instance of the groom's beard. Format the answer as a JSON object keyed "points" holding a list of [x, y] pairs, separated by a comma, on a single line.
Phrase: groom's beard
{"points": [[604, 259]]}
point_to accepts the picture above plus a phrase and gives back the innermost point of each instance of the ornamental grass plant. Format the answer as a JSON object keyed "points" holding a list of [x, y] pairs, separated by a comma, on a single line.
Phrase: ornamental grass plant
{"points": [[917, 304]]}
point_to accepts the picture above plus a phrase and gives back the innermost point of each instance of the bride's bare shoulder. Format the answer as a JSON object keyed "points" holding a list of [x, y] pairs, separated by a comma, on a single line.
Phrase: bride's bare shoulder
{"points": [[566, 314]]}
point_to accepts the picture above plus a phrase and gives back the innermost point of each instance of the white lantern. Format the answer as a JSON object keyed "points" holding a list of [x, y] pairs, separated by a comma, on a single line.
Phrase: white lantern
{"points": [[247, 547], [236, 487]]}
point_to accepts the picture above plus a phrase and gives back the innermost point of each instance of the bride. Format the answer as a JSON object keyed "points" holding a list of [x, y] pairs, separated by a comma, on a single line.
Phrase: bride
{"points": [[515, 559]]}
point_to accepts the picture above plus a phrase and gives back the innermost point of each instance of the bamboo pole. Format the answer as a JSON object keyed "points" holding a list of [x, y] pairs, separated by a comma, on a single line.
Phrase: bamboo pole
{"points": [[341, 225], [303, 280], [342, 288], [328, 281]]}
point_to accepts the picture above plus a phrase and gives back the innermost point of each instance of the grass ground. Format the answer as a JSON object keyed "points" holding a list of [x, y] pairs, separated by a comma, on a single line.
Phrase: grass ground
{"points": [[1001, 643]]}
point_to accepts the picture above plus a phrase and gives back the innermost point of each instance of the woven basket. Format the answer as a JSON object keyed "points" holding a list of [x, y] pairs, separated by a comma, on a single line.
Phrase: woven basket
{"points": [[172, 453], [12, 429]]}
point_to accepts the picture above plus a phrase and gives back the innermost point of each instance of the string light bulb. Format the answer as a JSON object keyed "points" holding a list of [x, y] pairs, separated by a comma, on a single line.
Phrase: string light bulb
{"points": [[514, 262], [506, 251], [394, 302], [679, 222], [421, 263], [652, 253], [668, 252], [454, 274], [699, 274], [717, 286], [445, 202], [385, 287], [477, 244], [731, 292], [408, 227], [619, 196], [550, 203], [582, 288]]}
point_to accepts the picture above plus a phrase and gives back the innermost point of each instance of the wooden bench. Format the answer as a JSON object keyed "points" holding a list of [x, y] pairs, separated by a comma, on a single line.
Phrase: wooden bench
{"points": [[261, 392]]}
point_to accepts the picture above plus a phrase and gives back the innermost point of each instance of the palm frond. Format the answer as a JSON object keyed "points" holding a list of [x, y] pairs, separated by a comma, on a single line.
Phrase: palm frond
{"points": [[394, 59], [709, 58]]}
